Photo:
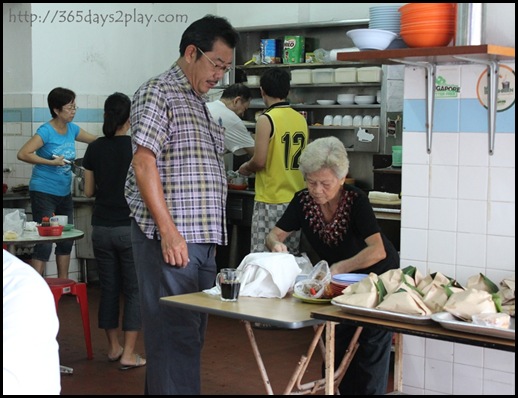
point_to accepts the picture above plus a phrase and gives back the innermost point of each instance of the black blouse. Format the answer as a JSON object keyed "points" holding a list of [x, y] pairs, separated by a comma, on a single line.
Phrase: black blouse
{"points": [[345, 235]]}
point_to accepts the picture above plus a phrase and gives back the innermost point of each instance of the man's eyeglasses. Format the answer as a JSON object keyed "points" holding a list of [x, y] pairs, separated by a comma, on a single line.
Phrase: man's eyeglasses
{"points": [[223, 68], [71, 108]]}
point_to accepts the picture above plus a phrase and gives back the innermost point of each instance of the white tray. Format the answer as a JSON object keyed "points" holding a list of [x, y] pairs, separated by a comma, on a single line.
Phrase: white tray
{"points": [[382, 314], [448, 321]]}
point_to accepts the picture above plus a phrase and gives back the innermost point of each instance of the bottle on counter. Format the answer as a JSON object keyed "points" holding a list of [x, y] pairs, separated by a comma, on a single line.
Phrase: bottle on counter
{"points": [[45, 222]]}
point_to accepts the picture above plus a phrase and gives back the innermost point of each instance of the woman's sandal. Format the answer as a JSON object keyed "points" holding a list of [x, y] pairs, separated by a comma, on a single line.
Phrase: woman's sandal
{"points": [[138, 363]]}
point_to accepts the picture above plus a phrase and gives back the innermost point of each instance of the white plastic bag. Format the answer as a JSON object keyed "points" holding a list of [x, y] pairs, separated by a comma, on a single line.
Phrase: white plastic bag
{"points": [[315, 285], [14, 221]]}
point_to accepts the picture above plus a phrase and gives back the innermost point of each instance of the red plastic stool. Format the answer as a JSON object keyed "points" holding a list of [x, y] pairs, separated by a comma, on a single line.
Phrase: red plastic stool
{"points": [[60, 286]]}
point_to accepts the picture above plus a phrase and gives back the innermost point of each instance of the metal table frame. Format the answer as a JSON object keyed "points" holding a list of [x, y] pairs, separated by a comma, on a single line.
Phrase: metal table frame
{"points": [[288, 313]]}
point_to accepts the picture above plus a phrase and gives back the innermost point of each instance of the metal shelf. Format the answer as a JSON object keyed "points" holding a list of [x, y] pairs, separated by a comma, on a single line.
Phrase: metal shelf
{"points": [[429, 57], [436, 55], [323, 107], [329, 85]]}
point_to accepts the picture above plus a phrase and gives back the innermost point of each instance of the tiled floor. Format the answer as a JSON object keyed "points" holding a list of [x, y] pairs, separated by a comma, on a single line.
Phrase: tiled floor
{"points": [[228, 364]]}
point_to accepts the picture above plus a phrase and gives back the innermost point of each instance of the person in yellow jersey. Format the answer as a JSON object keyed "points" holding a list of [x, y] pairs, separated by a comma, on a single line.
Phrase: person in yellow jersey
{"points": [[281, 135]]}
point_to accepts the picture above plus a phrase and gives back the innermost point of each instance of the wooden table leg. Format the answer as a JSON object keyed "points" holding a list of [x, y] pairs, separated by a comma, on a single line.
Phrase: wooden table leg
{"points": [[330, 357], [398, 362], [258, 358], [296, 379], [331, 379]]}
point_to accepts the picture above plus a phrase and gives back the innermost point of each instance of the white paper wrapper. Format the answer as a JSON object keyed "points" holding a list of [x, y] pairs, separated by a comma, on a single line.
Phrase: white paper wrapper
{"points": [[469, 302]]}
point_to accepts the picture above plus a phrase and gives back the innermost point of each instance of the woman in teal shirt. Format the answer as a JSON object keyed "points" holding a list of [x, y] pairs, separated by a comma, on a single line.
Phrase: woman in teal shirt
{"points": [[51, 150]]}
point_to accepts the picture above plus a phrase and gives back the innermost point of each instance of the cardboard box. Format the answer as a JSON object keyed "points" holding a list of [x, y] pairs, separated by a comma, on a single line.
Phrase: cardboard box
{"points": [[269, 51]]}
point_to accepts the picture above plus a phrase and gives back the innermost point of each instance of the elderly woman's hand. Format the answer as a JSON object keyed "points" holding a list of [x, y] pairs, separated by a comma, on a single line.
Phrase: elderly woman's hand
{"points": [[279, 247]]}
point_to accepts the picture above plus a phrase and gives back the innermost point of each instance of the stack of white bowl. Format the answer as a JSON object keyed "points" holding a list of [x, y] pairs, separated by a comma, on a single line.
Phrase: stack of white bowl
{"points": [[387, 18]]}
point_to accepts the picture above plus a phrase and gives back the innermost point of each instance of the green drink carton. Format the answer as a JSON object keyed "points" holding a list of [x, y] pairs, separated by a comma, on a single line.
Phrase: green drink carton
{"points": [[293, 52]]}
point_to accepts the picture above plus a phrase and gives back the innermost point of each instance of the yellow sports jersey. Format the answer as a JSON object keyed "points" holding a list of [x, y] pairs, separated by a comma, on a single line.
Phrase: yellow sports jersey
{"points": [[281, 178]]}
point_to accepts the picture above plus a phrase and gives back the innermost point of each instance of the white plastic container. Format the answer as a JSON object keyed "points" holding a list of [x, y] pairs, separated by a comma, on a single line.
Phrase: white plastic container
{"points": [[253, 80], [345, 75], [369, 74], [323, 76], [301, 76]]}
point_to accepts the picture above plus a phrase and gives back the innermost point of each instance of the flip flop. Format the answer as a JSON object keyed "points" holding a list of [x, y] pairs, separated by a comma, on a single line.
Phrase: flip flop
{"points": [[118, 357], [138, 363]]}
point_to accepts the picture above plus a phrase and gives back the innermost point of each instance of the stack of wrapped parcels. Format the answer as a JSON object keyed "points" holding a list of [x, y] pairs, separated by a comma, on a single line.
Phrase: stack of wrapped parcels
{"points": [[407, 291]]}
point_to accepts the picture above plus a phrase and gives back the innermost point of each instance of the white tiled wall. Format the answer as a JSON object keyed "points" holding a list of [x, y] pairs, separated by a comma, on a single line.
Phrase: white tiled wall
{"points": [[458, 212]]}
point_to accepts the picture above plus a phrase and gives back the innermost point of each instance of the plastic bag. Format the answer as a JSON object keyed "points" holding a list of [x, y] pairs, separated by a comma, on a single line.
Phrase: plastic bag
{"points": [[304, 264], [315, 286], [14, 221]]}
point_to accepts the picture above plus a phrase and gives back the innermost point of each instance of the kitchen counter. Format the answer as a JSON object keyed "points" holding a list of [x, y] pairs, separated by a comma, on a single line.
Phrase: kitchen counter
{"points": [[9, 197], [249, 192], [15, 196]]}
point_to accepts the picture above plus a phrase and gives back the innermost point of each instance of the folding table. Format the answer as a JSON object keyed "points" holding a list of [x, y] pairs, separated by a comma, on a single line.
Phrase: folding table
{"points": [[288, 312]]}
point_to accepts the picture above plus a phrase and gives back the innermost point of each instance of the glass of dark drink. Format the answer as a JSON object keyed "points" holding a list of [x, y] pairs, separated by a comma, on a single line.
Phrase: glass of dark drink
{"points": [[229, 282]]}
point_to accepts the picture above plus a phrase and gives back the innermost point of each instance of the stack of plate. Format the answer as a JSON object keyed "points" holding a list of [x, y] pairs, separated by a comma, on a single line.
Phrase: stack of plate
{"points": [[340, 281], [387, 18]]}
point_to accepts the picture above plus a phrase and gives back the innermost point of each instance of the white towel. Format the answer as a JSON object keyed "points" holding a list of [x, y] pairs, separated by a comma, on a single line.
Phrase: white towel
{"points": [[266, 275]]}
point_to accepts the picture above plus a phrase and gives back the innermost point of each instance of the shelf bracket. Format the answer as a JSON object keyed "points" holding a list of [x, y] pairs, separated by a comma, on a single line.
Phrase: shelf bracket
{"points": [[492, 93], [430, 96]]}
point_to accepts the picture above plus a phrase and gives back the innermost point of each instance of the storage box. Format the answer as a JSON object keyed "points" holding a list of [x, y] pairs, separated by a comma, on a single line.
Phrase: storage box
{"points": [[301, 76], [345, 75], [325, 75], [369, 74], [253, 80]]}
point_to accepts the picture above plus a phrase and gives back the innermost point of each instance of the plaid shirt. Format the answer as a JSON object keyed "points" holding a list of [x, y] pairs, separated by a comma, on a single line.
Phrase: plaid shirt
{"points": [[171, 120]]}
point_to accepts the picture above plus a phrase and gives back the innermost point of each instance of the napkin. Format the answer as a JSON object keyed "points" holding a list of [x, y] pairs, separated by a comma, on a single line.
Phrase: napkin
{"points": [[266, 275]]}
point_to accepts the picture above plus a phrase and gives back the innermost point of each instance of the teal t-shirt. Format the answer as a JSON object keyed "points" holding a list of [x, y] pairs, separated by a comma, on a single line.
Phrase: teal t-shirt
{"points": [[54, 180]]}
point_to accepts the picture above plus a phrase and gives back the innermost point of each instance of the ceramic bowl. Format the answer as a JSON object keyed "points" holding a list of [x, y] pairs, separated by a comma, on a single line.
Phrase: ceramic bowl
{"points": [[326, 102], [328, 120], [364, 99], [371, 39], [345, 99], [347, 121]]}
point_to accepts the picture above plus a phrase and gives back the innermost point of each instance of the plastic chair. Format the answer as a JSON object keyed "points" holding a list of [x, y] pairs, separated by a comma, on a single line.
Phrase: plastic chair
{"points": [[60, 286]]}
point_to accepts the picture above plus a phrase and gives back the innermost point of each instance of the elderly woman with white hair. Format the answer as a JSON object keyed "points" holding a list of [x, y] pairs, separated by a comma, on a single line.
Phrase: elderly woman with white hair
{"points": [[339, 223]]}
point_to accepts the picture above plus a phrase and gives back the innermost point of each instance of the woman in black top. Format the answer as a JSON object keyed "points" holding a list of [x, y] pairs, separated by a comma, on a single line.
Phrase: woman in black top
{"points": [[106, 164], [339, 223]]}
